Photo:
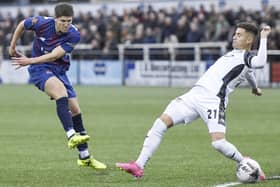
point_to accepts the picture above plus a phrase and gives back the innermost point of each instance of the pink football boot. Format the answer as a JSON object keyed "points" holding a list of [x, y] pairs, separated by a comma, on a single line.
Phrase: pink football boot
{"points": [[131, 168]]}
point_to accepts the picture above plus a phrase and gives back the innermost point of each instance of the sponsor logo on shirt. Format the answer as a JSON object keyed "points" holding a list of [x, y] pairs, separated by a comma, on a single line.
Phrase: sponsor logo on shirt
{"points": [[48, 72], [34, 21]]}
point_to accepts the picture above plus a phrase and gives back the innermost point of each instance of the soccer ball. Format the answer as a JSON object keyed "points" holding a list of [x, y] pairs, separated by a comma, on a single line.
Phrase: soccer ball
{"points": [[248, 171]]}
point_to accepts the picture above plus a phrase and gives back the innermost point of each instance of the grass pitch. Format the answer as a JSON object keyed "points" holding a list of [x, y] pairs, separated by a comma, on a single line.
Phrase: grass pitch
{"points": [[34, 149]]}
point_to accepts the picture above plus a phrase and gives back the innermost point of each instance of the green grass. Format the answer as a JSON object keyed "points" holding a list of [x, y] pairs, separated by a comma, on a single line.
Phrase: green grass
{"points": [[34, 150]]}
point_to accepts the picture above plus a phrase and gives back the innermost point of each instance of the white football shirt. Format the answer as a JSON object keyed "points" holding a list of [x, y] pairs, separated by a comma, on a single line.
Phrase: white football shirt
{"points": [[226, 74], [231, 69]]}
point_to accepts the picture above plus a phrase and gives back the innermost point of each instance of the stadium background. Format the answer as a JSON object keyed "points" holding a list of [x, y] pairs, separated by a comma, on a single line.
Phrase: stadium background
{"points": [[153, 43], [33, 147]]}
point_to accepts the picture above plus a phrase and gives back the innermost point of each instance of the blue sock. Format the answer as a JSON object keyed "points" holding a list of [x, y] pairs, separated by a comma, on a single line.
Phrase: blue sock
{"points": [[79, 127], [62, 109]]}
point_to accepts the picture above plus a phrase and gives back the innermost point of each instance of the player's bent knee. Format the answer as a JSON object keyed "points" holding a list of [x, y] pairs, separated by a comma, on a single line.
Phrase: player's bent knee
{"points": [[217, 136], [166, 120], [55, 88]]}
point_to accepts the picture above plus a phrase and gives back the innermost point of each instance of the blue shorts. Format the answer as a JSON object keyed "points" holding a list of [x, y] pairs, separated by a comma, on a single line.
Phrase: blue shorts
{"points": [[40, 74]]}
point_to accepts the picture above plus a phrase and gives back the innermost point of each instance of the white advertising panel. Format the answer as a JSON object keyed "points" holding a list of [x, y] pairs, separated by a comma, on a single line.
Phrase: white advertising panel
{"points": [[262, 76], [11, 76], [163, 73]]}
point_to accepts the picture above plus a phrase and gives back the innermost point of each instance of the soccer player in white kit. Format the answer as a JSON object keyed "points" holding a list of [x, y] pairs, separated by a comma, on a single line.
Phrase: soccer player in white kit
{"points": [[209, 97]]}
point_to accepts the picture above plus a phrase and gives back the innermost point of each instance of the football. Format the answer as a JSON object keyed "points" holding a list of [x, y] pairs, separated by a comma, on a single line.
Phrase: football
{"points": [[248, 171]]}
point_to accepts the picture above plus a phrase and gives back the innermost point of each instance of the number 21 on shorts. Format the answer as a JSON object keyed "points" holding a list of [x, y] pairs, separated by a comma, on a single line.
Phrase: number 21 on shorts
{"points": [[212, 113]]}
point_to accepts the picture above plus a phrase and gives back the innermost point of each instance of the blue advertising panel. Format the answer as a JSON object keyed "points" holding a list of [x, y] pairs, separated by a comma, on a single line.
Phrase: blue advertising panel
{"points": [[96, 72]]}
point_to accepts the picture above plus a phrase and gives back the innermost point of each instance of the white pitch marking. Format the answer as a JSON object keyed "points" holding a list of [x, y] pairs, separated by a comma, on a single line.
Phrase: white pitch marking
{"points": [[275, 177], [228, 184]]}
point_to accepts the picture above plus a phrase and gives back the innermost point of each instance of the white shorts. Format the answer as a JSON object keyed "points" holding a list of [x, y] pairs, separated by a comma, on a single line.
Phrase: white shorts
{"points": [[198, 103]]}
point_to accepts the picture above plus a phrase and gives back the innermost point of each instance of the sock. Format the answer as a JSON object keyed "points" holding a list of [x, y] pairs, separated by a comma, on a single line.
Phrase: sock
{"points": [[84, 154], [70, 133], [152, 142], [62, 109], [227, 149], [79, 127]]}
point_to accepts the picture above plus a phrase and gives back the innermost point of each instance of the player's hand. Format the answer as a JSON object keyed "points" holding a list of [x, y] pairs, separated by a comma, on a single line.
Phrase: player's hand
{"points": [[257, 91], [265, 31], [22, 61], [14, 53]]}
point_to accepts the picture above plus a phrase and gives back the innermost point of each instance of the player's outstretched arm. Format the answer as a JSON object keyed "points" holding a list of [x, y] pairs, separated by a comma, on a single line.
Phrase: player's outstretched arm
{"points": [[56, 53], [261, 58], [265, 31], [253, 83], [50, 57], [251, 79], [17, 34]]}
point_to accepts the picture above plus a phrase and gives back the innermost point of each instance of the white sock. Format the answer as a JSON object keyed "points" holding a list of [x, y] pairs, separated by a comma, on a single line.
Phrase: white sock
{"points": [[70, 133], [84, 154], [152, 142], [227, 149]]}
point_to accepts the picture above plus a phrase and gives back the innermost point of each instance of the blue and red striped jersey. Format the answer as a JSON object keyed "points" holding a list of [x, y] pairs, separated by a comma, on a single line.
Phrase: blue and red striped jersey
{"points": [[46, 39]]}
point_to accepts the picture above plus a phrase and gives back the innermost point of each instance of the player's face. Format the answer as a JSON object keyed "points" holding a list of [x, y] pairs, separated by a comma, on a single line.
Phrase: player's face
{"points": [[63, 23], [240, 39]]}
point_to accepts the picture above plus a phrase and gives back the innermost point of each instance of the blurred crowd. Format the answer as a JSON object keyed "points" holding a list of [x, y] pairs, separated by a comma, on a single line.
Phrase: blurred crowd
{"points": [[105, 30]]}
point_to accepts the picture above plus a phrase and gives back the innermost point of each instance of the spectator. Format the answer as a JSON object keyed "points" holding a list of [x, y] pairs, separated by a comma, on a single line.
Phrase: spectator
{"points": [[135, 25], [222, 28], [110, 47], [194, 35], [167, 29], [182, 29], [149, 36]]}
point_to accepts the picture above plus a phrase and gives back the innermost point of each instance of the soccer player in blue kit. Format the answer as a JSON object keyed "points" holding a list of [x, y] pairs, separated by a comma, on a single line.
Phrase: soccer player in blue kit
{"points": [[55, 38]]}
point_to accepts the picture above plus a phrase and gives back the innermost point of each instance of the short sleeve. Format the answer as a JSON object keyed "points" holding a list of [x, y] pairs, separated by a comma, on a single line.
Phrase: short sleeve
{"points": [[72, 41], [31, 23]]}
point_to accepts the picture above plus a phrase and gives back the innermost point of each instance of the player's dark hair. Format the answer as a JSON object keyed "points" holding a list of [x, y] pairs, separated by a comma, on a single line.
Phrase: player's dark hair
{"points": [[63, 9], [249, 27]]}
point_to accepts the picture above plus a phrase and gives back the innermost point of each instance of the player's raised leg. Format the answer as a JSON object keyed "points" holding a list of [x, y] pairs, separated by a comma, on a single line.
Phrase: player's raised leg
{"points": [[85, 159], [226, 148], [175, 113], [216, 123], [229, 150], [56, 90], [151, 144]]}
